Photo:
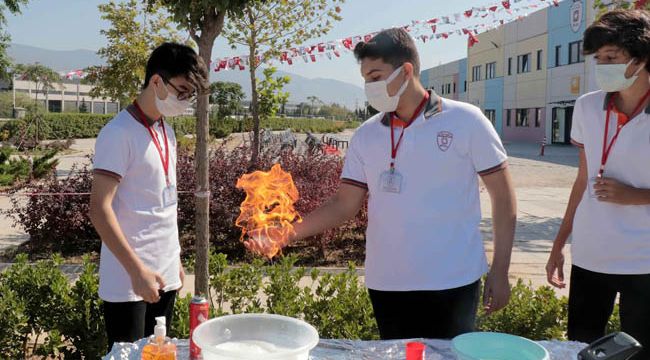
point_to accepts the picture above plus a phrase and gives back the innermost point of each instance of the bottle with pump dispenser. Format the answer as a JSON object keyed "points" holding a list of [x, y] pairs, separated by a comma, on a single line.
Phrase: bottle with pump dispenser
{"points": [[159, 346]]}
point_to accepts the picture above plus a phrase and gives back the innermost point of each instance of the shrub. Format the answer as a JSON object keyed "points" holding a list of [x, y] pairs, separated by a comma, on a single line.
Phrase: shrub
{"points": [[533, 313], [53, 126], [13, 323], [316, 177], [57, 223]]}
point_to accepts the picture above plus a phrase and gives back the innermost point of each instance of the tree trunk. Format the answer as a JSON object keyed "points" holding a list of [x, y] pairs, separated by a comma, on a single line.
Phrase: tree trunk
{"points": [[255, 108], [202, 198], [256, 118]]}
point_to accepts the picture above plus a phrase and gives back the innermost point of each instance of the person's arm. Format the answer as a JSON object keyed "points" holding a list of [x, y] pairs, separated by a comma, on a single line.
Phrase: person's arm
{"points": [[555, 264], [146, 283], [343, 206], [504, 217]]}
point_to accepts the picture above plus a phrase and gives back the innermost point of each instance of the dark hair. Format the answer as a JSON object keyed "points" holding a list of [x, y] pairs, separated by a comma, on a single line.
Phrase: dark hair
{"points": [[393, 46], [627, 29], [170, 60]]}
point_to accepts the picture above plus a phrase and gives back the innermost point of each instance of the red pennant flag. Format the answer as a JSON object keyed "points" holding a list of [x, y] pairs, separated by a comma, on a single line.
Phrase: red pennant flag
{"points": [[465, 31], [337, 53], [493, 8], [285, 56], [347, 43], [290, 61], [506, 4], [432, 21], [433, 28], [367, 38], [321, 47], [471, 40], [313, 57], [484, 15], [468, 13], [445, 35]]}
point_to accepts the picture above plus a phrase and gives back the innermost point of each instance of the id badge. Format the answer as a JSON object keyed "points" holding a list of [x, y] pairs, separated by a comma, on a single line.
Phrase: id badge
{"points": [[170, 196], [391, 181]]}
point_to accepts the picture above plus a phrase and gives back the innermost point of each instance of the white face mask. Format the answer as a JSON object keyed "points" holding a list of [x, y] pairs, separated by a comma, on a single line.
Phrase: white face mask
{"points": [[171, 106], [377, 93], [611, 77]]}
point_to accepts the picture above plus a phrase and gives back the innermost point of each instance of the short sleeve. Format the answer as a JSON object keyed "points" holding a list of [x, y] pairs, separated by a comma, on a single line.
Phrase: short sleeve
{"points": [[486, 150], [112, 152], [577, 125], [353, 167]]}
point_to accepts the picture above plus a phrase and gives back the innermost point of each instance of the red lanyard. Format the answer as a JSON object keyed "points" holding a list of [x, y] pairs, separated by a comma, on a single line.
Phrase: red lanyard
{"points": [[608, 148], [393, 146], [154, 138]]}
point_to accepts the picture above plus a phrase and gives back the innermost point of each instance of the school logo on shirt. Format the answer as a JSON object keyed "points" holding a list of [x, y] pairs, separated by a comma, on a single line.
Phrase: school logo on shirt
{"points": [[444, 140]]}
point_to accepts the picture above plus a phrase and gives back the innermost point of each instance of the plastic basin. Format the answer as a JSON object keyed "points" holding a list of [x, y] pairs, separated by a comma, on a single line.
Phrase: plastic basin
{"points": [[255, 336], [497, 346]]}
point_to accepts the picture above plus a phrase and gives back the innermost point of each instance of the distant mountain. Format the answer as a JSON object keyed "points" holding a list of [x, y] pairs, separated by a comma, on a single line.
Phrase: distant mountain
{"points": [[327, 90], [59, 60]]}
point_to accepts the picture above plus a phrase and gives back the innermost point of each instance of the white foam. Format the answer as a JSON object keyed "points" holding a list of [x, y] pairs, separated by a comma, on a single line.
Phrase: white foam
{"points": [[251, 347]]}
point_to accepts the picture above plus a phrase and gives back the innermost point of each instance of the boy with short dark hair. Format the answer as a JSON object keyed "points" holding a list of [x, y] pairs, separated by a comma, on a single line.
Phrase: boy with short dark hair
{"points": [[133, 203], [418, 162]]}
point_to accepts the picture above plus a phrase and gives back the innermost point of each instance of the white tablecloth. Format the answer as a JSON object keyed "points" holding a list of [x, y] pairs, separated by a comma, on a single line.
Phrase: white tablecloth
{"points": [[354, 350]]}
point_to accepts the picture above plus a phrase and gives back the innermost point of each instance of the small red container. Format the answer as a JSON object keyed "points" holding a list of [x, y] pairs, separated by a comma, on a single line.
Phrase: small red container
{"points": [[415, 350], [199, 312]]}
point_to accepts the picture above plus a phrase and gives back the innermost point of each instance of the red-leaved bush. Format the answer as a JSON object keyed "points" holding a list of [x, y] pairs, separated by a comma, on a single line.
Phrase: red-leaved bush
{"points": [[57, 223], [61, 224]]}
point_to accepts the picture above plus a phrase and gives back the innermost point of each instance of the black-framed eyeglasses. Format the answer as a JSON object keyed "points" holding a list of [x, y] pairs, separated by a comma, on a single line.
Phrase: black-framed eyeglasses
{"points": [[181, 95]]}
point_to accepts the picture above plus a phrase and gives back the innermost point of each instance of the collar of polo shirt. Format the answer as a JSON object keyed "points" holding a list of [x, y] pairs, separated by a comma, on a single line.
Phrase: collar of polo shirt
{"points": [[608, 97], [433, 107]]}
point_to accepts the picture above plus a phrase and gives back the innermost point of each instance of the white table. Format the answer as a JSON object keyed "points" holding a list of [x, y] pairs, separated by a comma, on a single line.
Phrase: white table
{"points": [[355, 350]]}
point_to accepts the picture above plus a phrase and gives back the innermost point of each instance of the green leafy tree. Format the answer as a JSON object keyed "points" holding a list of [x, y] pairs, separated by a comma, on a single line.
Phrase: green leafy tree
{"points": [[204, 20], [268, 27], [271, 96], [336, 111], [13, 6], [134, 32], [227, 97], [313, 100], [45, 78]]}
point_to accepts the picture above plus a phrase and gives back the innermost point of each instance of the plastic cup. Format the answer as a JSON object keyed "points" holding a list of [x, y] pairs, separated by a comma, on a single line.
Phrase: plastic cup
{"points": [[415, 350]]}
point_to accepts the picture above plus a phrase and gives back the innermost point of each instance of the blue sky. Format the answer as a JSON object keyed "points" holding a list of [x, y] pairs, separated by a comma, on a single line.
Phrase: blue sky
{"points": [[75, 24]]}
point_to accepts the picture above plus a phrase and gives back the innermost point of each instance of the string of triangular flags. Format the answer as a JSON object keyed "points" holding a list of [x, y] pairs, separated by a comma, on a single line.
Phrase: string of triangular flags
{"points": [[74, 74], [438, 28]]}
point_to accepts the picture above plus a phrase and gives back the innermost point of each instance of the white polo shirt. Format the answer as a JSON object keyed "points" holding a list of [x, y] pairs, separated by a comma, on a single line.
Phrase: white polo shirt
{"points": [[125, 150], [610, 238], [426, 237]]}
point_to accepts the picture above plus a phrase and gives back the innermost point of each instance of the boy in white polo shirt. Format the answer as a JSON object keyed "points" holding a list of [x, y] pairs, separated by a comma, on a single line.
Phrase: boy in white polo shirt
{"points": [[418, 161], [609, 208], [133, 203]]}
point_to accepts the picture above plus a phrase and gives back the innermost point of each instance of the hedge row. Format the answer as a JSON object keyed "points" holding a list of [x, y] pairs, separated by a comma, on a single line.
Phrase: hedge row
{"points": [[58, 126]]}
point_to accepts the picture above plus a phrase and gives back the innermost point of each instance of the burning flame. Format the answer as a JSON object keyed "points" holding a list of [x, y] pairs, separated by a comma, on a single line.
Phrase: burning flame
{"points": [[267, 212]]}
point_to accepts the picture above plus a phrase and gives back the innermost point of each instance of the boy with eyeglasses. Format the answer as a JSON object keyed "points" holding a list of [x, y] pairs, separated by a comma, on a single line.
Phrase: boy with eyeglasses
{"points": [[133, 204]]}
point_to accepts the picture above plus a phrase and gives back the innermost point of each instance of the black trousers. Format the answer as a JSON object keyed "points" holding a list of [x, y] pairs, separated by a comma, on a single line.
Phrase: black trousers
{"points": [[134, 320], [425, 314], [591, 302]]}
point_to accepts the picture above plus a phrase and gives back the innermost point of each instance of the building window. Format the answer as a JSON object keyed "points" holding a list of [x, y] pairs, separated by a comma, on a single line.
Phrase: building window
{"points": [[558, 53], [538, 117], [522, 118], [508, 117], [465, 86], [539, 59], [454, 88], [490, 70], [442, 89], [476, 73], [509, 66], [491, 115], [449, 88], [523, 63], [575, 52]]}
